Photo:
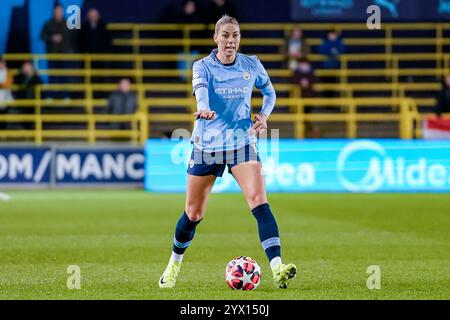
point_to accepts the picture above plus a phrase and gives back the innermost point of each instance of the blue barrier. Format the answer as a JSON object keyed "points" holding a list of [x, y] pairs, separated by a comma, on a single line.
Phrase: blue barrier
{"points": [[46, 166], [99, 166], [25, 165], [319, 166]]}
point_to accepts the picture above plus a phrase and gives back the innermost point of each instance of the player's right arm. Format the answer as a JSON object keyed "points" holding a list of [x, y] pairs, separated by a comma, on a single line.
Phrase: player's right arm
{"points": [[200, 91]]}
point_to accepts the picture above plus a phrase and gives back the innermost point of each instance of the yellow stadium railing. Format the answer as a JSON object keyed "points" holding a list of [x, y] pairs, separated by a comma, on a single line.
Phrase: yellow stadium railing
{"points": [[292, 90], [137, 134], [347, 87], [347, 77], [405, 115], [286, 73], [388, 39], [397, 90]]}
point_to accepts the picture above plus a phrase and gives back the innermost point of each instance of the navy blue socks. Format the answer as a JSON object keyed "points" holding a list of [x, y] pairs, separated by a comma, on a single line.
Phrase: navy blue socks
{"points": [[184, 233], [268, 231]]}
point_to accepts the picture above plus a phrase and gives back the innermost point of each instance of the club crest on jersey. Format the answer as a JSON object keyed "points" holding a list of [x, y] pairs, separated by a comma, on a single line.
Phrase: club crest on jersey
{"points": [[246, 75]]}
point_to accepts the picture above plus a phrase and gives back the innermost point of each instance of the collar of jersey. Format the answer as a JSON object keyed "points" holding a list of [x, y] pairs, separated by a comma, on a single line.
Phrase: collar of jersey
{"points": [[213, 56]]}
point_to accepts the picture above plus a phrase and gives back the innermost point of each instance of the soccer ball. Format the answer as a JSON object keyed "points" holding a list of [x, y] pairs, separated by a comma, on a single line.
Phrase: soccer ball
{"points": [[243, 273]]}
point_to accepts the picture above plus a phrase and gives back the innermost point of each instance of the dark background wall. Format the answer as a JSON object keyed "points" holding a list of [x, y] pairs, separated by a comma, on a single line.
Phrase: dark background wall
{"points": [[22, 20], [151, 10]]}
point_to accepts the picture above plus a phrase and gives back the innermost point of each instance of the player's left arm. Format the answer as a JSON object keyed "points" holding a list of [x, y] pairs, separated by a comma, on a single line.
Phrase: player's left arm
{"points": [[264, 84]]}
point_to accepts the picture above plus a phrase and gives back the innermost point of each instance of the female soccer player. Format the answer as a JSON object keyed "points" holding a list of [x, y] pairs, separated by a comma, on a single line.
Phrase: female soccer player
{"points": [[224, 135]]}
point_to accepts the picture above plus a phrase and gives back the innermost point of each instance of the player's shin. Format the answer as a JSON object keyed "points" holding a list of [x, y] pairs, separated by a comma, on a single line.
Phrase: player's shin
{"points": [[268, 233], [184, 233], [270, 240]]}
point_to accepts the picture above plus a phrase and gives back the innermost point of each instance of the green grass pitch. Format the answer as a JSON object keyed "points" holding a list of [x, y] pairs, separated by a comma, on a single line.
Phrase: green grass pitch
{"points": [[121, 240]]}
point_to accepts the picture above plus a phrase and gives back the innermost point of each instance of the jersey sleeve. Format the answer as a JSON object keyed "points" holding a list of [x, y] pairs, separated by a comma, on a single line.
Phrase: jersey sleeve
{"points": [[262, 78], [200, 86], [199, 76]]}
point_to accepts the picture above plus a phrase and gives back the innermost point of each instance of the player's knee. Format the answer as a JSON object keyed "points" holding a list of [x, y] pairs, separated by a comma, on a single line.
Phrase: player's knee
{"points": [[256, 199], [195, 212]]}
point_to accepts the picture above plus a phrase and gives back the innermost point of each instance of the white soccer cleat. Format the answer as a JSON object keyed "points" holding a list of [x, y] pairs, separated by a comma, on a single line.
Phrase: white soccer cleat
{"points": [[169, 277]]}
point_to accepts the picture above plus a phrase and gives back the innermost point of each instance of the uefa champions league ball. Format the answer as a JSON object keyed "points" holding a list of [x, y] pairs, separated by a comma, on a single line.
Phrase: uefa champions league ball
{"points": [[243, 273]]}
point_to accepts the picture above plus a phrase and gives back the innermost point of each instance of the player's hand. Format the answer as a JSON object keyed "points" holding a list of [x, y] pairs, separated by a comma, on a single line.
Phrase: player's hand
{"points": [[207, 115], [260, 123], [57, 38]]}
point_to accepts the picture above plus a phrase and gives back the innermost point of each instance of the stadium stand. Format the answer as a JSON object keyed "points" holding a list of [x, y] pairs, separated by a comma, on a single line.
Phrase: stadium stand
{"points": [[387, 82]]}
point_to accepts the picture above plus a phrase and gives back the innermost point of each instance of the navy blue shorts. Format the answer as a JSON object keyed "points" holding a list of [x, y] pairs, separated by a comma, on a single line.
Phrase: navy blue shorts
{"points": [[205, 163]]}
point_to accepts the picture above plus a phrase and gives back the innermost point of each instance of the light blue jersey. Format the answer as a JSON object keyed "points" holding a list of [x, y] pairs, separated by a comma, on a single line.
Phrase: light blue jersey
{"points": [[227, 90]]}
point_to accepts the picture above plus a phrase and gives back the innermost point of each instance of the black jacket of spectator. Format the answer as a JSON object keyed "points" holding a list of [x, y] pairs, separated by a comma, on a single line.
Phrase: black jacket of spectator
{"points": [[52, 28], [95, 38], [214, 11], [182, 11], [122, 103], [27, 90], [305, 80]]}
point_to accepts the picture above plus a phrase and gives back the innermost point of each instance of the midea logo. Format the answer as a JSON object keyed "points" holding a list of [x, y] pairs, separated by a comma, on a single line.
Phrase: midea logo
{"points": [[382, 170]]}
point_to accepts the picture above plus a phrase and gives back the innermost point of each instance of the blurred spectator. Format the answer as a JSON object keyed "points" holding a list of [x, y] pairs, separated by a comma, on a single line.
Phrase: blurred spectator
{"points": [[94, 37], [215, 9], [55, 33], [122, 101], [59, 39], [443, 101], [304, 77], [27, 79], [296, 48], [190, 13], [6, 82], [332, 47]]}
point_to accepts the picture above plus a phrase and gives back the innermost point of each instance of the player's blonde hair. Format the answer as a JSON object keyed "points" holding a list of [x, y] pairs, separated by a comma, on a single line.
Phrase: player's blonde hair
{"points": [[225, 20]]}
